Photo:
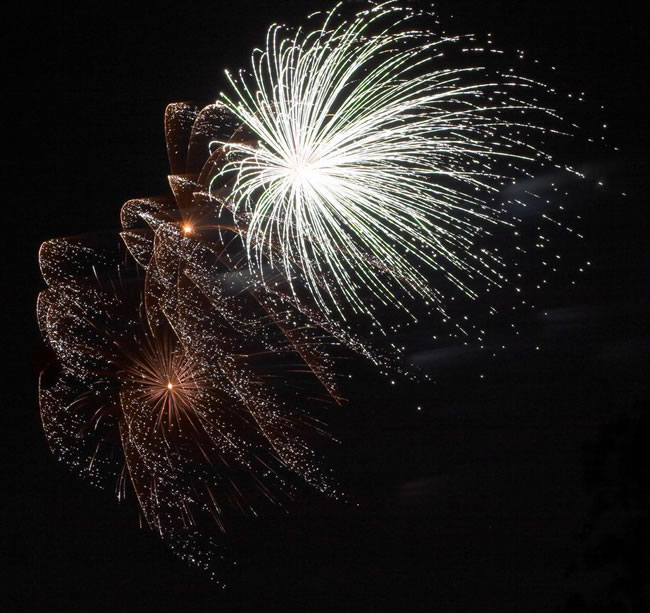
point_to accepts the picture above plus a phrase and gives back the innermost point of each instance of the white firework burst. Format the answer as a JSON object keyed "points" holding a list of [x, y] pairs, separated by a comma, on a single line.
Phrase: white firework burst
{"points": [[373, 168]]}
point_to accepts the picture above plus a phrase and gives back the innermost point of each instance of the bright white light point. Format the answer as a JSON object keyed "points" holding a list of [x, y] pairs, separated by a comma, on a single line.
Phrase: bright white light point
{"points": [[187, 228], [170, 386]]}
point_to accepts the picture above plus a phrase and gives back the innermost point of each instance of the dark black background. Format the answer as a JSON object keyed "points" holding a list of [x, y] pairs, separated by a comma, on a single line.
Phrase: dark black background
{"points": [[481, 501]]}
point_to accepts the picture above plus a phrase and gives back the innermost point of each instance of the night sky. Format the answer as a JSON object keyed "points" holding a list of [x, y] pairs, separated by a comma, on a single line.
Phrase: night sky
{"points": [[520, 484]]}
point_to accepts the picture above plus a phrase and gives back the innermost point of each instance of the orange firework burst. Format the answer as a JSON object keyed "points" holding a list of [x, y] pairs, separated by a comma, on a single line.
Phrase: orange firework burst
{"points": [[175, 370]]}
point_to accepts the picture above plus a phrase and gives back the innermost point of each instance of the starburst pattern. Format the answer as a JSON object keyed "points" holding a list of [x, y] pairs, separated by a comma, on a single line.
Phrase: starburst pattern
{"points": [[373, 166]]}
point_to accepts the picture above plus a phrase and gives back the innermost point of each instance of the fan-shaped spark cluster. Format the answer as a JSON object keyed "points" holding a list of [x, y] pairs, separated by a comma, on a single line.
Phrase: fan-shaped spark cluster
{"points": [[175, 372]]}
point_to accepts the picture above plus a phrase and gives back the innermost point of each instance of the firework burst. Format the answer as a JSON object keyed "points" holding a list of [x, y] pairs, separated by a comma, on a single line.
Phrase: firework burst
{"points": [[173, 373], [373, 166]]}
